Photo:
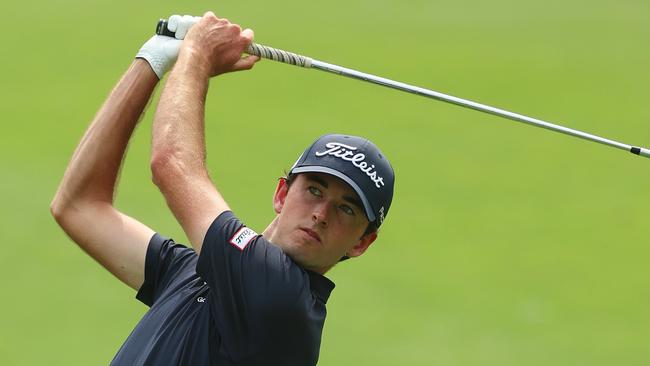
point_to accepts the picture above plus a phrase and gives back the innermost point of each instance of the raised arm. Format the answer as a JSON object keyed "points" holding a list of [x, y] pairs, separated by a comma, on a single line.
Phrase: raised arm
{"points": [[83, 205], [212, 46]]}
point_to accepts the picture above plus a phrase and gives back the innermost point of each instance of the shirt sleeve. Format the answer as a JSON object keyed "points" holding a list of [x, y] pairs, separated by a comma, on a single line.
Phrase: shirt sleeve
{"points": [[258, 293], [164, 260]]}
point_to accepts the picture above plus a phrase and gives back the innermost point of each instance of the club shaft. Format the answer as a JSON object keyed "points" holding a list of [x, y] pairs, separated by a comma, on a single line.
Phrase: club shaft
{"points": [[316, 64]]}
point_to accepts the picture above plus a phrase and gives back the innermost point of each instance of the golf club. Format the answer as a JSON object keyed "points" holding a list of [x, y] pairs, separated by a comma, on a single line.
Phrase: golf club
{"points": [[307, 62]]}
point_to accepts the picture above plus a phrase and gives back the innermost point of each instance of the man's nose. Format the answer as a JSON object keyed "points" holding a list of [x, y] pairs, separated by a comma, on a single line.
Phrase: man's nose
{"points": [[320, 214]]}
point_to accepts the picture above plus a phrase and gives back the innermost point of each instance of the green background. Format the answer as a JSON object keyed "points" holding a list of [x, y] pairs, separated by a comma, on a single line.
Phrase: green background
{"points": [[505, 245]]}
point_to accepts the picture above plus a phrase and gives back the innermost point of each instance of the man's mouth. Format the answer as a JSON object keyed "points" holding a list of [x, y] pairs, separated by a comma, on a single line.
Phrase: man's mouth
{"points": [[312, 233]]}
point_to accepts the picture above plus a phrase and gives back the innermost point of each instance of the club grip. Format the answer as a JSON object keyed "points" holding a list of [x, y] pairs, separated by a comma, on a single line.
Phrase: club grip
{"points": [[161, 29], [278, 55], [253, 49]]}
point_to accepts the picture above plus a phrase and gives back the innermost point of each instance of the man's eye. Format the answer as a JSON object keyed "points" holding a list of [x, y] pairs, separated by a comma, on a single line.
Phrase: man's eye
{"points": [[347, 209], [315, 191]]}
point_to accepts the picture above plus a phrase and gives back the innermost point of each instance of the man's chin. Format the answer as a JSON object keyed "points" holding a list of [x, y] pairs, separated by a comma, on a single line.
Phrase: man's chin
{"points": [[300, 258], [301, 252]]}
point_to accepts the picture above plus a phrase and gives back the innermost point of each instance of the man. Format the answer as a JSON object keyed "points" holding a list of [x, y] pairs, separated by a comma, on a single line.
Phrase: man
{"points": [[236, 298]]}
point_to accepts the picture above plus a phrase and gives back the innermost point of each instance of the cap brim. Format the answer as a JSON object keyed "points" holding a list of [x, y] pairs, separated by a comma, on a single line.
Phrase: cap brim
{"points": [[321, 169]]}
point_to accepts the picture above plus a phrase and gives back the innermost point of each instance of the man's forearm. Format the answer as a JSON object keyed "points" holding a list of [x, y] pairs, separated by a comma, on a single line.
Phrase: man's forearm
{"points": [[213, 46], [178, 127], [178, 152], [93, 169], [83, 205]]}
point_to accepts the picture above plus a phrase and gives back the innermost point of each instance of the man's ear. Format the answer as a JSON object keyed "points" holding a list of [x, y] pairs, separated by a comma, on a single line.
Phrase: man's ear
{"points": [[280, 195], [362, 245]]}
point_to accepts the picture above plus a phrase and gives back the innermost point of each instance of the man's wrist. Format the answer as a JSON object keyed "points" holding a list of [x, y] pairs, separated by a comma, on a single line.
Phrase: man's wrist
{"points": [[160, 52], [144, 68], [192, 62]]}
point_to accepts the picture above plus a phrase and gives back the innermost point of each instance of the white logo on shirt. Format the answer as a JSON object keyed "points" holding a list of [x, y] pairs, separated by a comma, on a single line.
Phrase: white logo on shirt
{"points": [[242, 237], [200, 299], [345, 152]]}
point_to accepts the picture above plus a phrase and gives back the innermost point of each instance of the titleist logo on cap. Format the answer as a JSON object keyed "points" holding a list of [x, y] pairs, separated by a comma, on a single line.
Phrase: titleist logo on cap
{"points": [[346, 153]]}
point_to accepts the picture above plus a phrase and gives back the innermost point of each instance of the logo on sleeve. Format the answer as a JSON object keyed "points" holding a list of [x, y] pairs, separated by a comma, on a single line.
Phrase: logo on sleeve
{"points": [[242, 237]]}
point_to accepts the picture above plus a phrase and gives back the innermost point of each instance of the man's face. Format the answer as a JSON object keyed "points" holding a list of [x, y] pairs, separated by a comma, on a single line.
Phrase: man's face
{"points": [[320, 220]]}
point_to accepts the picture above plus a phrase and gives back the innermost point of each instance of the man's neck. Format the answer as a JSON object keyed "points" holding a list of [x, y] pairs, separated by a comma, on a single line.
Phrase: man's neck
{"points": [[269, 234]]}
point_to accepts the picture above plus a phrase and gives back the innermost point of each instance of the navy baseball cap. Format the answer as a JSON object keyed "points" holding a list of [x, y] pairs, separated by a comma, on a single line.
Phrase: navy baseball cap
{"points": [[359, 163]]}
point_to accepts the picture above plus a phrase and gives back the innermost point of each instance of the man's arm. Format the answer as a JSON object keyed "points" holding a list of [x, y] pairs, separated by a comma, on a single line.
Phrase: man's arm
{"points": [[83, 205], [212, 46]]}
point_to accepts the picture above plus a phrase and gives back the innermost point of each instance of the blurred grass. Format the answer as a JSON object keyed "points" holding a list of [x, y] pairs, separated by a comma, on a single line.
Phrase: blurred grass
{"points": [[506, 245]]}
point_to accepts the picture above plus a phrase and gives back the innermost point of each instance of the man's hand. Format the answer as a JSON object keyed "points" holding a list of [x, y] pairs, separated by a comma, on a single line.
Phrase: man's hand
{"points": [[215, 46], [161, 51]]}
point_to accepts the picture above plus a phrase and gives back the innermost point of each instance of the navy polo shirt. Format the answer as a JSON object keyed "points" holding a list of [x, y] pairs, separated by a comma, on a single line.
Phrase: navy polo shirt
{"points": [[242, 301]]}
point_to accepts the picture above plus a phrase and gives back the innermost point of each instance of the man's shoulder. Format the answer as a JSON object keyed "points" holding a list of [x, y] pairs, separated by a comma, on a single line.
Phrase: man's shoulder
{"points": [[168, 265]]}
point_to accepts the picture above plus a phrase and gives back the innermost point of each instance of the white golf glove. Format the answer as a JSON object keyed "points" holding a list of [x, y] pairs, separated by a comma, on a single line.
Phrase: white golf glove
{"points": [[161, 51]]}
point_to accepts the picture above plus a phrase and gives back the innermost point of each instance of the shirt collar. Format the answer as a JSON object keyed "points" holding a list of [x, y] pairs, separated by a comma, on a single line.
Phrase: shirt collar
{"points": [[321, 286]]}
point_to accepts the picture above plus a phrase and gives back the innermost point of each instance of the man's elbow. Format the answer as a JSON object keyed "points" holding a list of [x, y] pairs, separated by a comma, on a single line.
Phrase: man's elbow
{"points": [[68, 210], [173, 172], [56, 211], [65, 211], [64, 214], [59, 209], [164, 167]]}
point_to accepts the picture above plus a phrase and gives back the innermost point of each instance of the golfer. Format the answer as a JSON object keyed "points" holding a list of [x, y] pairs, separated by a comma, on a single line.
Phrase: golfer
{"points": [[237, 297]]}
